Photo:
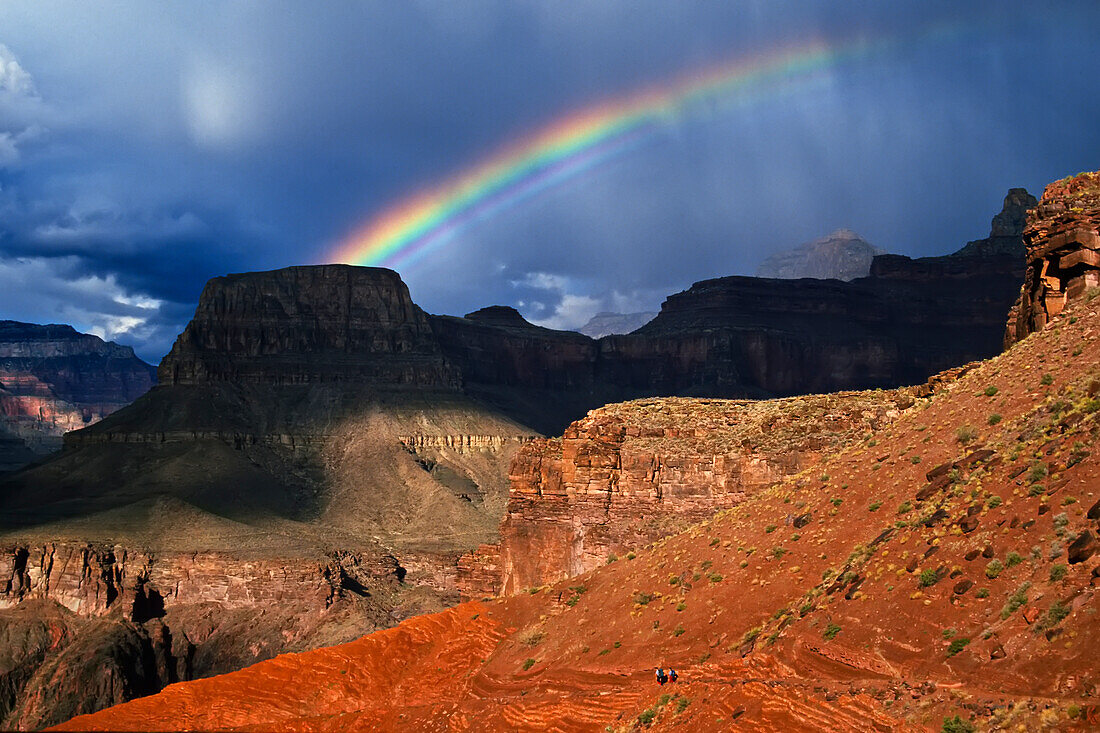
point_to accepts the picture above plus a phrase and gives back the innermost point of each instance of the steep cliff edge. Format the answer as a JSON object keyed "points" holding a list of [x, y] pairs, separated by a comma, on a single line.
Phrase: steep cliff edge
{"points": [[1063, 254], [53, 380], [629, 474]]}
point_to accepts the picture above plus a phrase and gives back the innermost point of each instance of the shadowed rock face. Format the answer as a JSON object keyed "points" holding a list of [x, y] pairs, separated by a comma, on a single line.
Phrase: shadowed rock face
{"points": [[53, 380], [329, 323]]}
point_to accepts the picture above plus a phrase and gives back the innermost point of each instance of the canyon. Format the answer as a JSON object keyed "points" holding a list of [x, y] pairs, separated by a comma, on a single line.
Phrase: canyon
{"points": [[937, 567], [54, 380], [313, 428]]}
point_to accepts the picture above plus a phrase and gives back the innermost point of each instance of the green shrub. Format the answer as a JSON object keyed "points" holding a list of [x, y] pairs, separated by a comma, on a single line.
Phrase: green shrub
{"points": [[915, 460], [994, 502], [678, 630], [1047, 379], [682, 703], [1038, 472], [770, 528], [528, 664], [1058, 572], [874, 506], [1053, 616], [1013, 559], [957, 645], [994, 568], [994, 418], [982, 593], [681, 606], [643, 598], [957, 725], [990, 391], [646, 716], [837, 501], [831, 631], [905, 507], [778, 552], [1017, 599], [927, 578]]}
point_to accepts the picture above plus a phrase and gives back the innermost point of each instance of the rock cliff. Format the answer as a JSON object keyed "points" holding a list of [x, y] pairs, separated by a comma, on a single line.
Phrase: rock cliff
{"points": [[629, 474], [842, 255], [53, 380], [1063, 254]]}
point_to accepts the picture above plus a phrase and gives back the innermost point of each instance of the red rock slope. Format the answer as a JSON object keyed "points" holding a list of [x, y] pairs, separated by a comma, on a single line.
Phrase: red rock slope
{"points": [[946, 566]]}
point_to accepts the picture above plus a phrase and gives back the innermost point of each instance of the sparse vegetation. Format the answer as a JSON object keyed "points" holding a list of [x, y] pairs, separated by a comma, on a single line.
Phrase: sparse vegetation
{"points": [[1053, 616], [1047, 379], [994, 418], [990, 391], [643, 599], [1057, 573], [928, 578], [966, 434], [681, 704], [905, 508], [957, 725], [678, 630], [993, 502], [831, 631], [982, 593], [957, 645], [770, 528], [530, 662], [1015, 601], [1037, 472], [994, 568], [1013, 559]]}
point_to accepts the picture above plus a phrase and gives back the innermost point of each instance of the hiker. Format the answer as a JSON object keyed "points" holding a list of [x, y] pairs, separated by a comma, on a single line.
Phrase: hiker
{"points": [[671, 675], [661, 677]]}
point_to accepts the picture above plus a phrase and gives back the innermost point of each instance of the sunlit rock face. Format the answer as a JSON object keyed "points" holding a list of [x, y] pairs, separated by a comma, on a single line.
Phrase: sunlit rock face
{"points": [[53, 380], [1062, 237]]}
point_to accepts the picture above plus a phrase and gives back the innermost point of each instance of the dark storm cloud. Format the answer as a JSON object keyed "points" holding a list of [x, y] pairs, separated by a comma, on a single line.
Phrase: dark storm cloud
{"points": [[147, 147]]}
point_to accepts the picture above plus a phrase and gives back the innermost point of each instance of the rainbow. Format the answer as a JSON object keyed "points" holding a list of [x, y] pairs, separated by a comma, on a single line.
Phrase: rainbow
{"points": [[569, 146]]}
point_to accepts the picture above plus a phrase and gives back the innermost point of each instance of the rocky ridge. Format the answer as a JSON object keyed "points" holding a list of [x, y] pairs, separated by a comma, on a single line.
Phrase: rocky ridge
{"points": [[610, 324], [1063, 254], [842, 255]]}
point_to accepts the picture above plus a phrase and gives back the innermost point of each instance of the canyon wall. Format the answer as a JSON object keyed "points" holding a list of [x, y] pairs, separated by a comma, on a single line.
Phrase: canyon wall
{"points": [[1063, 254], [629, 474], [53, 380]]}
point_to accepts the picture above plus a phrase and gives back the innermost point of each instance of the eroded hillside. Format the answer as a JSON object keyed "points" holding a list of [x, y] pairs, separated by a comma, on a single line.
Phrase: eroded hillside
{"points": [[944, 566]]}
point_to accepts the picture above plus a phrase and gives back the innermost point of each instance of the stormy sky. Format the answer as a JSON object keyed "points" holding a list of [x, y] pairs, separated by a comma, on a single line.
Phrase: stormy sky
{"points": [[148, 146]]}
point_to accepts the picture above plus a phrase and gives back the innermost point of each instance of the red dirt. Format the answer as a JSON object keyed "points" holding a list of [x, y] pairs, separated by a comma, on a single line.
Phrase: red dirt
{"points": [[856, 624]]}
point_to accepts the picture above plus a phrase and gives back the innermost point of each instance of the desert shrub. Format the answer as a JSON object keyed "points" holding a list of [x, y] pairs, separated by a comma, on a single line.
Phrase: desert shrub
{"points": [[957, 645], [682, 703], [990, 391], [678, 630], [1013, 559], [928, 578], [966, 434], [750, 635], [681, 606], [1038, 472], [1058, 572], [915, 460], [528, 664], [1053, 616], [994, 502], [778, 552], [994, 568], [1015, 601], [905, 507], [874, 506], [994, 418], [957, 725], [831, 631], [646, 717], [982, 593], [643, 598], [770, 528], [1047, 379]]}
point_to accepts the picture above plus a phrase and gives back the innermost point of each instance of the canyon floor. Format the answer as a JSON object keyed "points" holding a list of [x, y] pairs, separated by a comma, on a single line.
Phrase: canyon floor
{"points": [[940, 573]]}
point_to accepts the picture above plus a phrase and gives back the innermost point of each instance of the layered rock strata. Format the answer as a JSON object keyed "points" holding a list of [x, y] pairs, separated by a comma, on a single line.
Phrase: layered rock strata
{"points": [[1063, 254], [54, 380], [631, 473]]}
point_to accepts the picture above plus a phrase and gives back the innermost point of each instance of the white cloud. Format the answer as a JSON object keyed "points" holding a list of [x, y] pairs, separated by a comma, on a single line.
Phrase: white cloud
{"points": [[14, 79], [44, 290]]}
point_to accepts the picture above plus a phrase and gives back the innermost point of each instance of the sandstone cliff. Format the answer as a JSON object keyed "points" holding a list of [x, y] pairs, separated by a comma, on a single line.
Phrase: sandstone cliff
{"points": [[1063, 254], [632, 473], [53, 380]]}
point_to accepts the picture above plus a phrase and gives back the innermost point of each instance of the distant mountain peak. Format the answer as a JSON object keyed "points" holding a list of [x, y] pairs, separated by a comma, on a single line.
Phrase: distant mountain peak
{"points": [[840, 255]]}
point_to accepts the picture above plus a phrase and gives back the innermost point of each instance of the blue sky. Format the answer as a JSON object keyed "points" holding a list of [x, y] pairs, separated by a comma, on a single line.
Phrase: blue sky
{"points": [[146, 147]]}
